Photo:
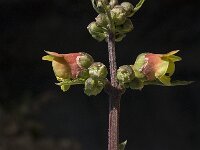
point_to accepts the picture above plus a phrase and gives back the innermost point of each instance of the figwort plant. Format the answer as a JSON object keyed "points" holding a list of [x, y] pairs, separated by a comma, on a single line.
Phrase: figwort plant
{"points": [[111, 25]]}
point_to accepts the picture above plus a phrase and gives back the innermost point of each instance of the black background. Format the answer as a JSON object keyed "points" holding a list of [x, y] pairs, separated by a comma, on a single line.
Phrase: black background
{"points": [[156, 118]]}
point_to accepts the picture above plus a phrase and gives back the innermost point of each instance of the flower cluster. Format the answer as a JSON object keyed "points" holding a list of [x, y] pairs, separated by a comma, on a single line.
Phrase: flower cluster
{"points": [[148, 69], [78, 68], [112, 16]]}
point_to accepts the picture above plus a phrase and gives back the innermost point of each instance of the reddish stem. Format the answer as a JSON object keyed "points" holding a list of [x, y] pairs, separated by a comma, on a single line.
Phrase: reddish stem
{"points": [[114, 97]]}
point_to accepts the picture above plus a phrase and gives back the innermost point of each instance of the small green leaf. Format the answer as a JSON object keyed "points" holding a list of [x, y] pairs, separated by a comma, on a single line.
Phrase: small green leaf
{"points": [[65, 88], [173, 83], [122, 145], [71, 82], [138, 6]]}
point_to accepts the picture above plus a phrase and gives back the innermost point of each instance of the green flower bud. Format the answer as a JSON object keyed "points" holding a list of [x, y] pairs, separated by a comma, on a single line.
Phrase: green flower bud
{"points": [[126, 27], [129, 8], [98, 70], [84, 74], [119, 37], [125, 74], [113, 3], [98, 5], [136, 84], [118, 15], [93, 86], [96, 31], [84, 60], [102, 20]]}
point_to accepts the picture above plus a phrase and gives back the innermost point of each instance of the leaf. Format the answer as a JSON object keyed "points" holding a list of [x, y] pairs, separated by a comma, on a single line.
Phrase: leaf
{"points": [[71, 82], [178, 82], [173, 83], [138, 6], [122, 145]]}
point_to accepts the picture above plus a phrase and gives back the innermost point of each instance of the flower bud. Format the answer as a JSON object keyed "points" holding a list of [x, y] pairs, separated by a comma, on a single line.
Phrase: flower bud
{"points": [[125, 74], [69, 66], [126, 27], [118, 15], [113, 3], [102, 20], [93, 86], [98, 5], [98, 70], [84, 60], [129, 8], [156, 66], [96, 31]]}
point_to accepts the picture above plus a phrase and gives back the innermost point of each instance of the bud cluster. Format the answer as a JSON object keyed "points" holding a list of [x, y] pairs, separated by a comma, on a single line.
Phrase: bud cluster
{"points": [[78, 68], [148, 69], [112, 15]]}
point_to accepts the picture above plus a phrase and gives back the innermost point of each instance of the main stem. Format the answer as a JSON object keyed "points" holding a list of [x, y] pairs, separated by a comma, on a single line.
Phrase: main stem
{"points": [[114, 97]]}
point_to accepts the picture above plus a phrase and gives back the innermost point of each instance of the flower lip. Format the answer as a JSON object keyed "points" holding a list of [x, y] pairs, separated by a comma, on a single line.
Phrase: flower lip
{"points": [[69, 59]]}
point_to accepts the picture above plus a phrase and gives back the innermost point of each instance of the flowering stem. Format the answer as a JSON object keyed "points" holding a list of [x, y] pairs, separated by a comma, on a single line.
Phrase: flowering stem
{"points": [[114, 97]]}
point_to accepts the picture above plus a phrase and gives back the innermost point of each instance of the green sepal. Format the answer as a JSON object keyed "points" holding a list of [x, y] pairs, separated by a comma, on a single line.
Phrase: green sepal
{"points": [[119, 37], [65, 88], [136, 84], [138, 6], [139, 63], [48, 58], [122, 145]]}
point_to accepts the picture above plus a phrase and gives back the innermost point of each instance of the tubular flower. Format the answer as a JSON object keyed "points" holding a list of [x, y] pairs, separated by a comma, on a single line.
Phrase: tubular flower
{"points": [[69, 66], [149, 66]]}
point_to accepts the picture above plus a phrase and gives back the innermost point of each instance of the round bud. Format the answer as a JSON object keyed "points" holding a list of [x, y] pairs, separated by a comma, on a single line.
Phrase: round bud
{"points": [[84, 74], [100, 5], [96, 31], [84, 60], [118, 15], [98, 70], [125, 74], [93, 86], [126, 27], [129, 8], [112, 3], [102, 20]]}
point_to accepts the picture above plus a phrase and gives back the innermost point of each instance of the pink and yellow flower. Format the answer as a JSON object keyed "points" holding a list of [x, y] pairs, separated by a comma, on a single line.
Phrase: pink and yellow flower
{"points": [[68, 66], [149, 66]]}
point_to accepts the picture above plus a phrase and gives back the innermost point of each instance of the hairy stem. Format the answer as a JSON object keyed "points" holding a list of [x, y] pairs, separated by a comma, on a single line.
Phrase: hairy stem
{"points": [[114, 98]]}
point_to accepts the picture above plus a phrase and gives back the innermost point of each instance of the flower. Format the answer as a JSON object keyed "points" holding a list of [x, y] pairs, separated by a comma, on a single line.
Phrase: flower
{"points": [[149, 66], [69, 66]]}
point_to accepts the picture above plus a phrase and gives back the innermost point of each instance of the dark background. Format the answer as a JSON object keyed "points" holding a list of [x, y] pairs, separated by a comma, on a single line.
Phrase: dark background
{"points": [[35, 114]]}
